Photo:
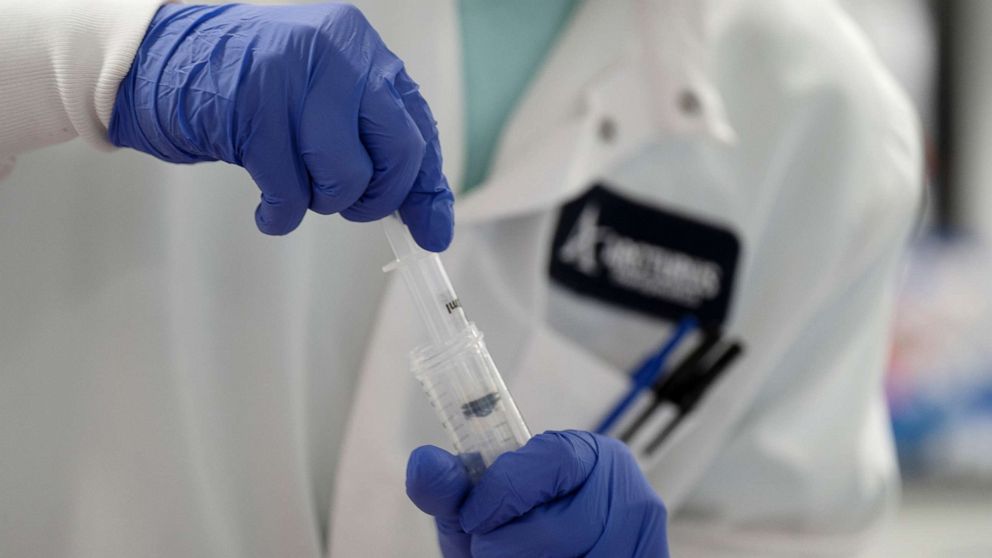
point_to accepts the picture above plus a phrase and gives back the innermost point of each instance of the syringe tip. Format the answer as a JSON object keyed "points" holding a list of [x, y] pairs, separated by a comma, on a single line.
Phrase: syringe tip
{"points": [[399, 237]]}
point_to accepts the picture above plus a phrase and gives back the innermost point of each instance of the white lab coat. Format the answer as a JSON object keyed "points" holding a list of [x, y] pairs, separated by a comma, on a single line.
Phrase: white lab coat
{"points": [[176, 384], [790, 454]]}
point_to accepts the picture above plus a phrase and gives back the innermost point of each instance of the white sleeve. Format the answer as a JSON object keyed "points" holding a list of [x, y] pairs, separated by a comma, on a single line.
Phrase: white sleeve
{"points": [[61, 62]]}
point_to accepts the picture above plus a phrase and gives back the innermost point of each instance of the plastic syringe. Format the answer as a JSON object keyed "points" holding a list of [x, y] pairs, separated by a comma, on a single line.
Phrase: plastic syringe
{"points": [[455, 369]]}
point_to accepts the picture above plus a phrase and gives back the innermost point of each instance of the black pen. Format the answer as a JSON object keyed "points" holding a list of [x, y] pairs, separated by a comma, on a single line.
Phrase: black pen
{"points": [[685, 400], [687, 367]]}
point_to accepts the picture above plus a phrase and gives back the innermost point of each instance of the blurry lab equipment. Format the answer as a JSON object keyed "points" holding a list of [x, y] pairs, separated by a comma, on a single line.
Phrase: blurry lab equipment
{"points": [[970, 125], [940, 383]]}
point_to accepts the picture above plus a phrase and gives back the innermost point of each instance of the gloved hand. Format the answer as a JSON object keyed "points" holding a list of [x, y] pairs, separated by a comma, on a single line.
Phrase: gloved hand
{"points": [[565, 493], [307, 98]]}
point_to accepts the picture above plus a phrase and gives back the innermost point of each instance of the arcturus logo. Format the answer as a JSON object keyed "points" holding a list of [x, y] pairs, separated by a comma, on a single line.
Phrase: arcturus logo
{"points": [[594, 249], [643, 257], [581, 247]]}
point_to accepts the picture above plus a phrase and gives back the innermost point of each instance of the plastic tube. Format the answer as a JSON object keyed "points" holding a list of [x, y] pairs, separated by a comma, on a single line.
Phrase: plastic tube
{"points": [[454, 368]]}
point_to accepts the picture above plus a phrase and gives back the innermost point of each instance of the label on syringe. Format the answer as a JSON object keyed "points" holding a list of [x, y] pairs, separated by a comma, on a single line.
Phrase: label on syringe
{"points": [[452, 305]]}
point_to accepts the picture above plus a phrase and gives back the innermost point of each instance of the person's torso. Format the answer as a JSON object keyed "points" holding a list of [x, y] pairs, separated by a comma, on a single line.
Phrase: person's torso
{"points": [[788, 453]]}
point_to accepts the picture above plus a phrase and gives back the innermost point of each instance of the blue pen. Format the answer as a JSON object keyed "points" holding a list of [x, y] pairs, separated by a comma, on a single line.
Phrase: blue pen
{"points": [[647, 373]]}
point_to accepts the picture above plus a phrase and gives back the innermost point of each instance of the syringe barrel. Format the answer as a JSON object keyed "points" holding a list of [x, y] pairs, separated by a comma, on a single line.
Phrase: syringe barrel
{"points": [[470, 399], [455, 369], [428, 283]]}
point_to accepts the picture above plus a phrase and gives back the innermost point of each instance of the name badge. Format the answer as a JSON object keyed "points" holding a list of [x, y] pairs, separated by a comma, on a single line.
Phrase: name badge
{"points": [[644, 258]]}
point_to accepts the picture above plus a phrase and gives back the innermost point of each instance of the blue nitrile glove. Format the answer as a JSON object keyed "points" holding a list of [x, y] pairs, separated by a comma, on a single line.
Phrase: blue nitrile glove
{"points": [[307, 98], [565, 493]]}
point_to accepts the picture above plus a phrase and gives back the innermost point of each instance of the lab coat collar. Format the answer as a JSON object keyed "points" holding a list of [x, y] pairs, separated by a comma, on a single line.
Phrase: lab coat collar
{"points": [[624, 73], [671, 43]]}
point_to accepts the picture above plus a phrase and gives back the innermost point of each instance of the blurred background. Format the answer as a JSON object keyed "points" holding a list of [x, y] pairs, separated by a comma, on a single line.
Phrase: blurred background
{"points": [[940, 376]]}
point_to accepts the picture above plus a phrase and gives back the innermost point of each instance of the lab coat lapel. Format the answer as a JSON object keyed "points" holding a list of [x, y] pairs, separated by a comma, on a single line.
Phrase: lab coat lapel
{"points": [[550, 165], [598, 100]]}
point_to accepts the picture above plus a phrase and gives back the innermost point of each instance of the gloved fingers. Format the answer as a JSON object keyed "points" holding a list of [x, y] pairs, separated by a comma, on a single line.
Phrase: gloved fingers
{"points": [[285, 187], [393, 142], [436, 482], [415, 105], [635, 529], [549, 466], [566, 528], [339, 166], [428, 208], [556, 529]]}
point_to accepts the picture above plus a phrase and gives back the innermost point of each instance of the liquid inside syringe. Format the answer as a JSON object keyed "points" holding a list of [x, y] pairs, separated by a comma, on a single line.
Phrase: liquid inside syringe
{"points": [[455, 369]]}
